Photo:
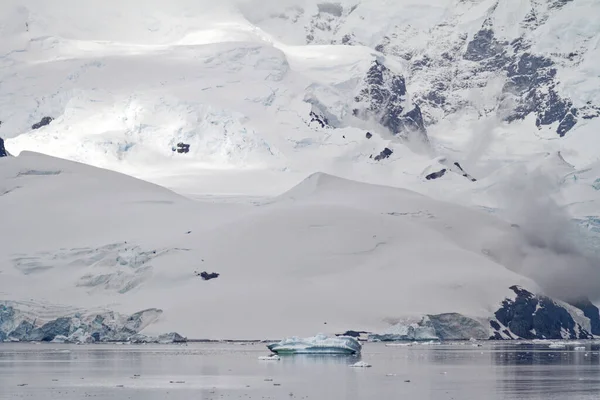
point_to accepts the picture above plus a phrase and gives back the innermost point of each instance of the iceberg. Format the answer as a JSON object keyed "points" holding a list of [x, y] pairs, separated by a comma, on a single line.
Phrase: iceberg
{"points": [[319, 344]]}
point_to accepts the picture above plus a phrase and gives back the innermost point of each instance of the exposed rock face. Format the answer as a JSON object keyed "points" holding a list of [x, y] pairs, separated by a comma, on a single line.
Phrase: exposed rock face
{"points": [[385, 153], [3, 152], [436, 175], [208, 276], [456, 62], [318, 120], [464, 173], [383, 96], [182, 148], [531, 316], [44, 121]]}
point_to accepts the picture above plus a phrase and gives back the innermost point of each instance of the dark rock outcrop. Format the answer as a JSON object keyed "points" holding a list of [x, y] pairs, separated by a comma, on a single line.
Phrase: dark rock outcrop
{"points": [[436, 175], [484, 46], [532, 82], [464, 173], [383, 96], [3, 152], [385, 153], [181, 147], [43, 122], [531, 316], [319, 120], [368, 135], [208, 276], [354, 334]]}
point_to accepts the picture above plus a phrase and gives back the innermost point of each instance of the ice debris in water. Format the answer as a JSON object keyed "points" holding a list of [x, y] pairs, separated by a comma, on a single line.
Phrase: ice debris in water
{"points": [[361, 364], [272, 357], [557, 346], [579, 348], [318, 344]]}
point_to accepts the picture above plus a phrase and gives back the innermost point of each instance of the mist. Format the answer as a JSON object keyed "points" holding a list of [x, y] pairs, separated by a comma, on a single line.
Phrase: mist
{"points": [[550, 244]]}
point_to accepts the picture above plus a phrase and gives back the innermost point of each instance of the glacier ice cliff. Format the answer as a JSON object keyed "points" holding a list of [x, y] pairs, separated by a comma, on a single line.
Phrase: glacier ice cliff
{"points": [[16, 325]]}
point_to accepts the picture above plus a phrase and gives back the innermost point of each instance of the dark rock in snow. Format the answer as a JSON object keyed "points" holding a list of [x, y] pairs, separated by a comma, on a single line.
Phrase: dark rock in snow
{"points": [[320, 120], [590, 311], [532, 80], [181, 148], [368, 135], [44, 121], [464, 173], [384, 97], [3, 152], [385, 153], [208, 276], [531, 316], [354, 334], [484, 46], [436, 175]]}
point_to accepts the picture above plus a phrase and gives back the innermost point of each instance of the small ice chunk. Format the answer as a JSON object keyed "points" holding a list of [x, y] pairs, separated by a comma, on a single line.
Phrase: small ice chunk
{"points": [[60, 339], [320, 344], [272, 357], [579, 348], [557, 346], [361, 364]]}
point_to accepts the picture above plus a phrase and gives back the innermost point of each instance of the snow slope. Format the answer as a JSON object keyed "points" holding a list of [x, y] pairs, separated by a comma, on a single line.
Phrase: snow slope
{"points": [[330, 251]]}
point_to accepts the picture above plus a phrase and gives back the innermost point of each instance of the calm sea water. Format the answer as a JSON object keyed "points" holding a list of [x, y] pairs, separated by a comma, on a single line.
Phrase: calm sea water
{"points": [[233, 371]]}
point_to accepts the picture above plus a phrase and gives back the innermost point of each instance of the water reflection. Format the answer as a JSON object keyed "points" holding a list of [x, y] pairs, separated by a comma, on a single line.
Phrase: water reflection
{"points": [[461, 371]]}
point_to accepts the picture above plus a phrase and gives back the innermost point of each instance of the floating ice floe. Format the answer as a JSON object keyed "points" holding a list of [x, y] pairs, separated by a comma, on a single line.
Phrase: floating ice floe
{"points": [[272, 357], [320, 344], [361, 364]]}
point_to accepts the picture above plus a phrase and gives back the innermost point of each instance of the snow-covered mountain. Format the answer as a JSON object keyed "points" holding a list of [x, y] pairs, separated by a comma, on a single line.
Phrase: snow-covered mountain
{"points": [[90, 247], [484, 104]]}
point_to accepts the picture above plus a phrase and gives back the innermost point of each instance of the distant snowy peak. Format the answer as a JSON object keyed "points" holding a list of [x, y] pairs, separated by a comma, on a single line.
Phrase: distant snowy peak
{"points": [[517, 56]]}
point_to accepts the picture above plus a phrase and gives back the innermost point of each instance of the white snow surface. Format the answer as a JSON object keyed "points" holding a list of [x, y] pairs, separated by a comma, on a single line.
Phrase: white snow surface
{"points": [[331, 251], [126, 81]]}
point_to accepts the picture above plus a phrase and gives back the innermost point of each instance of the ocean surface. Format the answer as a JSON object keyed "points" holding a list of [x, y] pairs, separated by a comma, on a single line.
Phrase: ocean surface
{"points": [[460, 371]]}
